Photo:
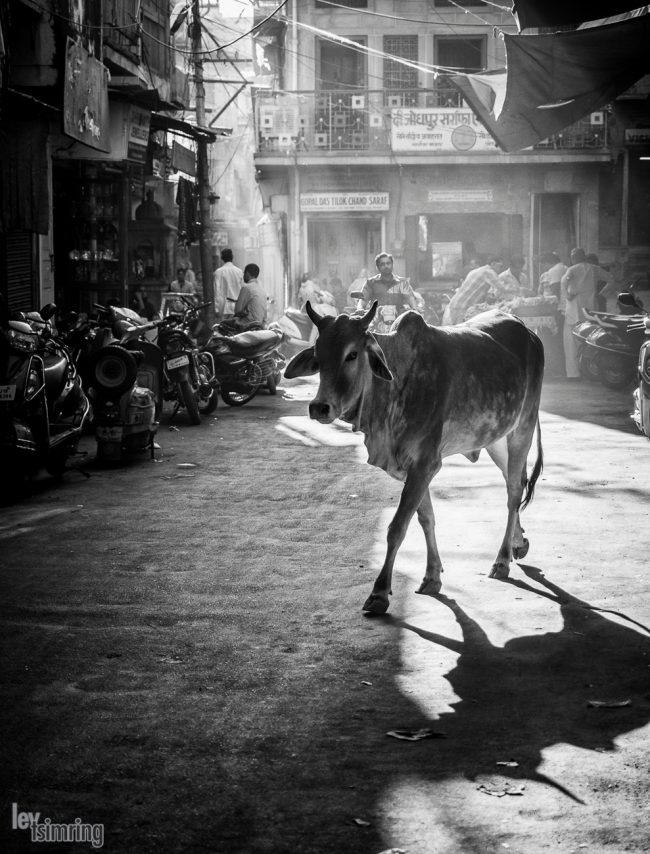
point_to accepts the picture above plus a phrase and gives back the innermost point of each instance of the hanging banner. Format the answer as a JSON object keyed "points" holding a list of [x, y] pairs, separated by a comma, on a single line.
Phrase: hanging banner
{"points": [[85, 98], [438, 129]]}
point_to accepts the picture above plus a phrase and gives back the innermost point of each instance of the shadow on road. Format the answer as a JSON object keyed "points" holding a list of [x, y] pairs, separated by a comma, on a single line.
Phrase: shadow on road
{"points": [[593, 403], [535, 691]]}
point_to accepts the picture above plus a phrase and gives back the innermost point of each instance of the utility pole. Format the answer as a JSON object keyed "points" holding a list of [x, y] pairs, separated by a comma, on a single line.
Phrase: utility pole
{"points": [[203, 170]]}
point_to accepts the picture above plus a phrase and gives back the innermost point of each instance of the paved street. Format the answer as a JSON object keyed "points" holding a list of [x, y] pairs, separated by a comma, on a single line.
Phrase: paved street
{"points": [[187, 665]]}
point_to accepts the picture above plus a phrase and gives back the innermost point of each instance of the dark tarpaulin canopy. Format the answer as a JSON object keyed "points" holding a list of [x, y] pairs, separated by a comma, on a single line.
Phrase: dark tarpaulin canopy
{"points": [[553, 80], [562, 13]]}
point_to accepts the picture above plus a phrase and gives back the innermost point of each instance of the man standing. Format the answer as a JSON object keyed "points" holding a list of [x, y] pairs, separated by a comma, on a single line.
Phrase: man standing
{"points": [[475, 289], [385, 285], [180, 285], [577, 291], [251, 305], [227, 283], [554, 269]]}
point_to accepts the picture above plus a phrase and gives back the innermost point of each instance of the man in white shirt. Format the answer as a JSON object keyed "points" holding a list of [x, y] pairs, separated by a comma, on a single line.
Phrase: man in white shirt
{"points": [[227, 283], [578, 287]]}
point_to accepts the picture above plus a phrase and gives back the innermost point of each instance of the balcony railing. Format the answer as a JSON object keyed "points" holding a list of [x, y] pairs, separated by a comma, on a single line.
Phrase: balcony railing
{"points": [[381, 121]]}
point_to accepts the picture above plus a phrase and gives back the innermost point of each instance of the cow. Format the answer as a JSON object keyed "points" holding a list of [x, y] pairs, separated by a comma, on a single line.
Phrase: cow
{"points": [[421, 393]]}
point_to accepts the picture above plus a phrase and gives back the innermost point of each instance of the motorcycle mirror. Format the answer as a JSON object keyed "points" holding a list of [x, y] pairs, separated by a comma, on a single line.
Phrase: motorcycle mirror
{"points": [[48, 311], [628, 299]]}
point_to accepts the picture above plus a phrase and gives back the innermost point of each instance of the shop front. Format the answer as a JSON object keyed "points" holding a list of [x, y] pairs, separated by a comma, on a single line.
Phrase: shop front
{"points": [[343, 232]]}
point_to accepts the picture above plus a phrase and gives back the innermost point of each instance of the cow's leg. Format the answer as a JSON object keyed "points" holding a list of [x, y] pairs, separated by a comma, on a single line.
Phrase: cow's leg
{"points": [[431, 582], [417, 483], [499, 454], [518, 445]]}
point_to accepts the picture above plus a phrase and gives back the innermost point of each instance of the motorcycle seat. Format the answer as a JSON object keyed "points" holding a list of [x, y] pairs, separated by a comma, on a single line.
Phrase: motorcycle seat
{"points": [[249, 343]]}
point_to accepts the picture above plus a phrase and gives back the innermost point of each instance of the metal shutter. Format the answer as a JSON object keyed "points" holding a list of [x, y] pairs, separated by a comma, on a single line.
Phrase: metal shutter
{"points": [[20, 288]]}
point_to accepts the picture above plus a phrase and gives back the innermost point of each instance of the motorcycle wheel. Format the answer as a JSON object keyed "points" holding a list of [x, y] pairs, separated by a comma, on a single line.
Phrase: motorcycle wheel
{"points": [[188, 398], [207, 404], [615, 373], [589, 368], [238, 398], [113, 370]]}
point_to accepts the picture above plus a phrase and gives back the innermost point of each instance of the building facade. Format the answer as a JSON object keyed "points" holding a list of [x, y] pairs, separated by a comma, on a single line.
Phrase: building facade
{"points": [[364, 145], [97, 173]]}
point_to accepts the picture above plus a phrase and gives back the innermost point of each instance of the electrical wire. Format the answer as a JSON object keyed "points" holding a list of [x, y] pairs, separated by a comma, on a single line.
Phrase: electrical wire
{"points": [[416, 20]]}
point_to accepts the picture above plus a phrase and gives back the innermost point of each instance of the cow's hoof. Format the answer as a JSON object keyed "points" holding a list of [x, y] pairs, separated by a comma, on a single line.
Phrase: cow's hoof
{"points": [[376, 604], [500, 571], [430, 587], [520, 552]]}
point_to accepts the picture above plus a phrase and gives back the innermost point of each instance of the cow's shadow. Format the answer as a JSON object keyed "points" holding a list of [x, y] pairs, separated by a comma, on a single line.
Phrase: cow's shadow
{"points": [[534, 692]]}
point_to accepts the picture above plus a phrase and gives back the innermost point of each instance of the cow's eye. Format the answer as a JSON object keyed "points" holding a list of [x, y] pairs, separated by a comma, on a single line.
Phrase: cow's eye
{"points": [[351, 356]]}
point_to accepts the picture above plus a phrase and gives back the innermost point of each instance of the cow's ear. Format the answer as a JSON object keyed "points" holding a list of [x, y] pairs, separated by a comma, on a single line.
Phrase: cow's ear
{"points": [[376, 360], [303, 364]]}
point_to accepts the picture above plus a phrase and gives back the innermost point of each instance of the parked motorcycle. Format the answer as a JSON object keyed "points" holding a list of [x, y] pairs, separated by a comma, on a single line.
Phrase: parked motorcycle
{"points": [[588, 362], [640, 323], [189, 373], [124, 401], [609, 350], [42, 404], [245, 362]]}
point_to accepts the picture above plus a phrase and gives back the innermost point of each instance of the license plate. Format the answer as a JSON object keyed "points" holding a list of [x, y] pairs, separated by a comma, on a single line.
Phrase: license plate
{"points": [[109, 433], [7, 392], [177, 362]]}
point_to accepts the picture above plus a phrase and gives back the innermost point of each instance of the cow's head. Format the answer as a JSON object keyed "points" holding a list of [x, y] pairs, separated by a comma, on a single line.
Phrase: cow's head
{"points": [[346, 355]]}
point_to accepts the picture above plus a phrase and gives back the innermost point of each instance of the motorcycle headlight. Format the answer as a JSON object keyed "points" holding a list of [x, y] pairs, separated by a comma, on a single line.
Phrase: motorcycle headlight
{"points": [[172, 346], [26, 342]]}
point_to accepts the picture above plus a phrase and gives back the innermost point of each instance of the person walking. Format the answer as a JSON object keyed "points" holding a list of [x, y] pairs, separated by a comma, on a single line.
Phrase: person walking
{"points": [[577, 291], [227, 283], [251, 305]]}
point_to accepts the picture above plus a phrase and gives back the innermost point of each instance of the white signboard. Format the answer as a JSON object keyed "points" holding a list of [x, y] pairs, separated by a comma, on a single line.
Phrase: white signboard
{"points": [[460, 196], [312, 202], [637, 136], [439, 129]]}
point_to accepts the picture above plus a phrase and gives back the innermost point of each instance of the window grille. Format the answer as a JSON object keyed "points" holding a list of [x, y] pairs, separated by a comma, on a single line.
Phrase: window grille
{"points": [[398, 78]]}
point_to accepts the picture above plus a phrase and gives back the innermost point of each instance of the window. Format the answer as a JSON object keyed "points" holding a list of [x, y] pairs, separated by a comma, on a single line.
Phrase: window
{"points": [[341, 67], [462, 54], [397, 76]]}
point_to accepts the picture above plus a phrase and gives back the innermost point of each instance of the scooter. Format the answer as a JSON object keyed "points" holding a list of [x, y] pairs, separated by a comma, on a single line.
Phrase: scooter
{"points": [[387, 313], [641, 323], [43, 406], [297, 329], [245, 362], [613, 348]]}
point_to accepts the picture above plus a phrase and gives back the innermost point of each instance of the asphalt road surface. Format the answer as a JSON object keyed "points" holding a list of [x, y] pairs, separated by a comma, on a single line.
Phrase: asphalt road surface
{"points": [[186, 667]]}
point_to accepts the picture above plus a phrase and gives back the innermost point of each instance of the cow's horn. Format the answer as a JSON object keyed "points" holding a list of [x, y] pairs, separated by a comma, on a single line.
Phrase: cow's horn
{"points": [[316, 318], [369, 316]]}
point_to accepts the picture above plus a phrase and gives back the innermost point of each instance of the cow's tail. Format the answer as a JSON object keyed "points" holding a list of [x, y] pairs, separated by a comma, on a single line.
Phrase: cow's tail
{"points": [[537, 470]]}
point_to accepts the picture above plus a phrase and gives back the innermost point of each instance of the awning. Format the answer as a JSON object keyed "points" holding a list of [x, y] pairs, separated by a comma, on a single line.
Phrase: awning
{"points": [[159, 121], [553, 80], [563, 13]]}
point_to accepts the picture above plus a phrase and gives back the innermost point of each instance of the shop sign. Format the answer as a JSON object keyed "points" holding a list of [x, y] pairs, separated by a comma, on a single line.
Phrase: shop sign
{"points": [[637, 136], [459, 196], [137, 134], [441, 129], [183, 159], [85, 98], [324, 202]]}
